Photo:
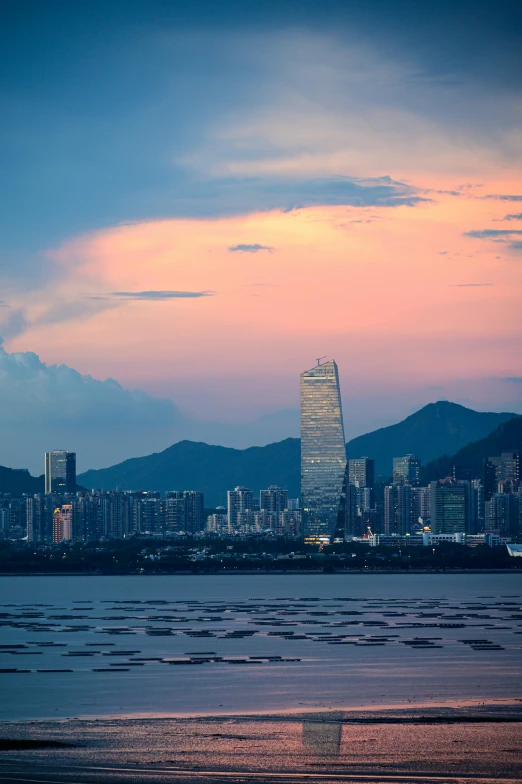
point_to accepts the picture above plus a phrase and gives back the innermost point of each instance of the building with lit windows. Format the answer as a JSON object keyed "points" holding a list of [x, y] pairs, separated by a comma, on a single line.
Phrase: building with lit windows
{"points": [[240, 507], [63, 523], [406, 470], [323, 451], [60, 472], [273, 500], [450, 507]]}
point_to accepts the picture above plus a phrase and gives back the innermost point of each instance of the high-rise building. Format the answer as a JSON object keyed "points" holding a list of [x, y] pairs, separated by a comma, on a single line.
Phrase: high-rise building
{"points": [[273, 500], [421, 503], [352, 516], [450, 507], [175, 520], [505, 466], [323, 450], [86, 517], [193, 511], [510, 466], [63, 523], [240, 507], [503, 513], [406, 470], [361, 471], [489, 479], [60, 472], [39, 517], [399, 509], [290, 522], [217, 524]]}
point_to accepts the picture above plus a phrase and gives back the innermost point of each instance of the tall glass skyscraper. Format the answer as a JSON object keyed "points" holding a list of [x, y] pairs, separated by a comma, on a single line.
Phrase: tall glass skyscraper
{"points": [[323, 450], [60, 472]]}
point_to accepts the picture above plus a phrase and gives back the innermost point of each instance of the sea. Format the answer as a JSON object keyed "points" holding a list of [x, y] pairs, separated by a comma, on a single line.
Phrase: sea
{"points": [[151, 647]]}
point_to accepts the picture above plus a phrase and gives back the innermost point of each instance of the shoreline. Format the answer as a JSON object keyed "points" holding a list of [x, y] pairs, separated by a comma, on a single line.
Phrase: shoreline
{"points": [[445, 711], [278, 572]]}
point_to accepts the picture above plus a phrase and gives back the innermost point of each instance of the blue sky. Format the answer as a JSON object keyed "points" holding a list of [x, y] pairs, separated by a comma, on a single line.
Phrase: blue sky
{"points": [[148, 125]]}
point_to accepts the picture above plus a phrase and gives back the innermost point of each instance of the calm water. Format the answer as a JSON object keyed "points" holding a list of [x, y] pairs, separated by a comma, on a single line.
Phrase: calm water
{"points": [[129, 646]]}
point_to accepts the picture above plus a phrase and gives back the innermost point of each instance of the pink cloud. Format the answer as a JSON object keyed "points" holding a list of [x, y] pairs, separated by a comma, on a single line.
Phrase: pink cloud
{"points": [[379, 297]]}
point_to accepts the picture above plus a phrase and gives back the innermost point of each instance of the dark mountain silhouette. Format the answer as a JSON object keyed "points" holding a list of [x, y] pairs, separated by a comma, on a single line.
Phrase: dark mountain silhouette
{"points": [[18, 481], [437, 429], [506, 437], [212, 469]]}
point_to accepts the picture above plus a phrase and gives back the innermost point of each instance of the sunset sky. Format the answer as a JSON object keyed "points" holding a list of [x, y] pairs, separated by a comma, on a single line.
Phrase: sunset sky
{"points": [[198, 199]]}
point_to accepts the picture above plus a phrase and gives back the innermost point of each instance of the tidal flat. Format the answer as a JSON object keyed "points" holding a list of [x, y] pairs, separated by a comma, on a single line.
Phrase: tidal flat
{"points": [[478, 743], [311, 677]]}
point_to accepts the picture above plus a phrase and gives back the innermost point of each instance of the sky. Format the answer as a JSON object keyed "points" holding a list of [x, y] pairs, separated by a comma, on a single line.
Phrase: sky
{"points": [[199, 199]]}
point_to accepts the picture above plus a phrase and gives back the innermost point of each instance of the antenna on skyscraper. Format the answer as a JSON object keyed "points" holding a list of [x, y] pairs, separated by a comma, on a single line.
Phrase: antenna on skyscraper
{"points": [[318, 360]]}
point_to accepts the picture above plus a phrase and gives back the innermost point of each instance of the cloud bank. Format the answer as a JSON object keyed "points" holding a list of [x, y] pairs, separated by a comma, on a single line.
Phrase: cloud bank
{"points": [[45, 407]]}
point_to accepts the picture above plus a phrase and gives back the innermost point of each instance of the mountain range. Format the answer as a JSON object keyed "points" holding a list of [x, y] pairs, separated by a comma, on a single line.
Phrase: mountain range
{"points": [[434, 432], [437, 429], [506, 437]]}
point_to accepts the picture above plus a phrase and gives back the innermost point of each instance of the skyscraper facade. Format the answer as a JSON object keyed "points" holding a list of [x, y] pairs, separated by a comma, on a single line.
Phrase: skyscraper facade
{"points": [[406, 470], [450, 507], [60, 472], [399, 511], [361, 471], [194, 503], [323, 450]]}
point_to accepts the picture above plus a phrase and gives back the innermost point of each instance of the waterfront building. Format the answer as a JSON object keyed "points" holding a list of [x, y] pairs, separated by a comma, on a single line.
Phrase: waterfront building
{"points": [[323, 451], [503, 512], [60, 472], [450, 507]]}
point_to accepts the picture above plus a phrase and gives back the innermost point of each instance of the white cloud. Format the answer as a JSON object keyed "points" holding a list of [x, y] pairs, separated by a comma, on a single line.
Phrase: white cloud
{"points": [[46, 407], [326, 106]]}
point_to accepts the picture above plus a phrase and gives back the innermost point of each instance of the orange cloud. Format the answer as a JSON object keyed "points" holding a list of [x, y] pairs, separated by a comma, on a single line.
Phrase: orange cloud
{"points": [[385, 290]]}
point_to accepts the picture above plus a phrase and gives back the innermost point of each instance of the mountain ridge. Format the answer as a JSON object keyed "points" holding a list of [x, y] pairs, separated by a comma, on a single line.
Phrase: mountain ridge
{"points": [[440, 428], [434, 432], [436, 429], [505, 438]]}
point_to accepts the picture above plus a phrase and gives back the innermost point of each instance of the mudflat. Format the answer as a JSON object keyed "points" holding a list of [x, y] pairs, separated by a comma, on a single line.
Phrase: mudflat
{"points": [[475, 743]]}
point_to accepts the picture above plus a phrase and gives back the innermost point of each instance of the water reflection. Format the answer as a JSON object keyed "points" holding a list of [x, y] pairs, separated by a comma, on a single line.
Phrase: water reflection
{"points": [[323, 735]]}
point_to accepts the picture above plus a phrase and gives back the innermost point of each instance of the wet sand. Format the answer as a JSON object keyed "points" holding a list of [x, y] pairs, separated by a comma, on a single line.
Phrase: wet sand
{"points": [[472, 743]]}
